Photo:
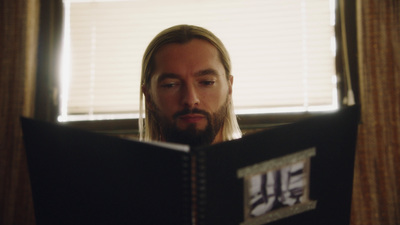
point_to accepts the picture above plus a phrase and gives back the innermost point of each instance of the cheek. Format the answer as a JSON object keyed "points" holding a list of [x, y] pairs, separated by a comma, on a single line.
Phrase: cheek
{"points": [[215, 100], [167, 104]]}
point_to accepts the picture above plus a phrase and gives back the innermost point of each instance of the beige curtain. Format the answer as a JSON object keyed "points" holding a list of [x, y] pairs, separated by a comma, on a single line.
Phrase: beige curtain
{"points": [[376, 194], [18, 43]]}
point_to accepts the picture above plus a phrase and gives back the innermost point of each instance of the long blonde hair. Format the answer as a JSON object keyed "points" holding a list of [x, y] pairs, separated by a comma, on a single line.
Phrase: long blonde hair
{"points": [[181, 34]]}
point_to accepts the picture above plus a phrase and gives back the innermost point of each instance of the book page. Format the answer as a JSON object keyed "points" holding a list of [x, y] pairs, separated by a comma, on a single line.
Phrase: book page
{"points": [[169, 145]]}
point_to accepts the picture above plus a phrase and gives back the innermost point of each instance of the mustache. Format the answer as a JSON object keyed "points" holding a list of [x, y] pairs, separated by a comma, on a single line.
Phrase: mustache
{"points": [[190, 111]]}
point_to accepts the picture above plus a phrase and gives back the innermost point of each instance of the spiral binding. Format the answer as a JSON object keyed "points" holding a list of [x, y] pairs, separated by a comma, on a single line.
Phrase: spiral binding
{"points": [[187, 189], [201, 187]]}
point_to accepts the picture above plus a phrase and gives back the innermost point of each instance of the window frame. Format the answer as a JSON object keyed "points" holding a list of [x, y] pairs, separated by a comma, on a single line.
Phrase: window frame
{"points": [[47, 90]]}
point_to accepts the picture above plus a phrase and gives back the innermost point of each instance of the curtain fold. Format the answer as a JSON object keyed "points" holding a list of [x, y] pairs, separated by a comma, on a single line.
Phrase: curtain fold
{"points": [[18, 42], [376, 193]]}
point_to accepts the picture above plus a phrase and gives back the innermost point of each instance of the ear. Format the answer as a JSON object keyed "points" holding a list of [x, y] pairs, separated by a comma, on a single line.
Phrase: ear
{"points": [[230, 83], [147, 97]]}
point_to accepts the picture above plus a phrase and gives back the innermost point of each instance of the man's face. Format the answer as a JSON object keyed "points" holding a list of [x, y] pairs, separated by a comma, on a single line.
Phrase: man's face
{"points": [[189, 93]]}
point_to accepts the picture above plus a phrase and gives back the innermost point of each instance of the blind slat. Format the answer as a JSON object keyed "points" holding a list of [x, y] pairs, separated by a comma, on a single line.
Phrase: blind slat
{"points": [[280, 50]]}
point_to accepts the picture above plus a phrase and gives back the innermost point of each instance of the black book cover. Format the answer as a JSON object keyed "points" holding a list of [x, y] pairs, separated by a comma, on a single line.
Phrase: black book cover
{"points": [[321, 148], [299, 173]]}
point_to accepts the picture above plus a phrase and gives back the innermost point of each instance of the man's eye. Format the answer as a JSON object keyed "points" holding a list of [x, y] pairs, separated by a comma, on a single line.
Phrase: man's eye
{"points": [[208, 82], [169, 85]]}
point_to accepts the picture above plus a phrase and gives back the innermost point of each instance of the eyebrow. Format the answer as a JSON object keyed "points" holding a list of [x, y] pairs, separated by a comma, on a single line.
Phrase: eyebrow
{"points": [[167, 76], [207, 72]]}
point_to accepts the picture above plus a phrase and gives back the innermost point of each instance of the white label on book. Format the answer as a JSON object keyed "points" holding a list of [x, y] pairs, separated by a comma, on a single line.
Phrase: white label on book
{"points": [[277, 188]]}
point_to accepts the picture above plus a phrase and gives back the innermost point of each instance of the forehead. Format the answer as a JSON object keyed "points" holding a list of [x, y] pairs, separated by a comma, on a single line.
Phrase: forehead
{"points": [[193, 55]]}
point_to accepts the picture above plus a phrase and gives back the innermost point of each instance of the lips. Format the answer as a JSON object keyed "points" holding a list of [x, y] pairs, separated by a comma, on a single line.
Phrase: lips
{"points": [[192, 118]]}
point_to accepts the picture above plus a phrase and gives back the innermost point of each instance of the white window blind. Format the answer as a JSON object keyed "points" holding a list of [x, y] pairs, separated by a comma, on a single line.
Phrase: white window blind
{"points": [[282, 52]]}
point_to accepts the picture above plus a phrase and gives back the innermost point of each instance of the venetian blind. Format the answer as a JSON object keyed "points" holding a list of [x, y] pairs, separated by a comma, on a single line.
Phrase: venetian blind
{"points": [[282, 52]]}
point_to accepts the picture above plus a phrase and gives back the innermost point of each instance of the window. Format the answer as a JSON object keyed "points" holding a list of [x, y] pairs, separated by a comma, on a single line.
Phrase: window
{"points": [[282, 52]]}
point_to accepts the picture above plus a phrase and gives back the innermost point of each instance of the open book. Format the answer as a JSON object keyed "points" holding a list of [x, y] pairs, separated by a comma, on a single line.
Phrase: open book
{"points": [[299, 173]]}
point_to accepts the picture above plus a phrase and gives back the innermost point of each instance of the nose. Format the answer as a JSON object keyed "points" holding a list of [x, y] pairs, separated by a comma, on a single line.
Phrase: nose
{"points": [[190, 96]]}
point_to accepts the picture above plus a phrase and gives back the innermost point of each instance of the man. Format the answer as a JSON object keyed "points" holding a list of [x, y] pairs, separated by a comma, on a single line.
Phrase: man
{"points": [[187, 84]]}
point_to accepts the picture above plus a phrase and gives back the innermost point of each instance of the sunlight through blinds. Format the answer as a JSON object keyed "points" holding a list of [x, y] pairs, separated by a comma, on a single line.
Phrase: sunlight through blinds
{"points": [[282, 52]]}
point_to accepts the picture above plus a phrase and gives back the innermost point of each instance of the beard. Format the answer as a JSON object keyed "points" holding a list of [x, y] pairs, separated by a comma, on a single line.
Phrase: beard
{"points": [[191, 135]]}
